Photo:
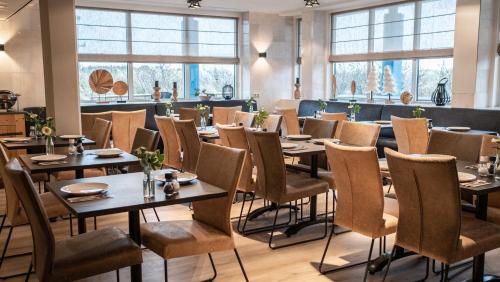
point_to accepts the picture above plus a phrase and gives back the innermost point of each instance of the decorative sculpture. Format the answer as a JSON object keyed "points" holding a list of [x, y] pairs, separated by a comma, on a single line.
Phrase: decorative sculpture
{"points": [[101, 82]]}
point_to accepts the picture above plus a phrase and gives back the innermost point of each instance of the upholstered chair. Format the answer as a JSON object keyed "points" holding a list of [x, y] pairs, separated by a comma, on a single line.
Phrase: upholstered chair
{"points": [[190, 143], [464, 146], [171, 143], [224, 115], [190, 114], [318, 129], [272, 123], [339, 117], [144, 138], [71, 259], [274, 184], [88, 121], [290, 124], [431, 222], [15, 215], [412, 134], [488, 148], [235, 137], [361, 206], [125, 124], [244, 119], [210, 230]]}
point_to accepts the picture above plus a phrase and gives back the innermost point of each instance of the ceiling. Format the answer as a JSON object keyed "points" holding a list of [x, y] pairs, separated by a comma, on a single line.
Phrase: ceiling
{"points": [[9, 7]]}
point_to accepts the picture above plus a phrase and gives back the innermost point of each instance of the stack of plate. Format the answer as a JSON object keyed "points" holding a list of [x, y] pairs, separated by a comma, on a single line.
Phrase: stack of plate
{"points": [[108, 153], [299, 137], [286, 146], [48, 158]]}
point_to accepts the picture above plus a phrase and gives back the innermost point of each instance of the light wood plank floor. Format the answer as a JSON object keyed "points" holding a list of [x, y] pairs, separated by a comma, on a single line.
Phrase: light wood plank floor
{"points": [[297, 263]]}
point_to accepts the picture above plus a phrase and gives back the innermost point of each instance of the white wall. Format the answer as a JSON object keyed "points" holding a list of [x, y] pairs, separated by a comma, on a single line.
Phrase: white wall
{"points": [[21, 65]]}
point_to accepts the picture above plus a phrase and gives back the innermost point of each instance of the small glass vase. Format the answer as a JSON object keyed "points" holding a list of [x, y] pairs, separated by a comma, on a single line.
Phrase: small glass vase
{"points": [[33, 132], [148, 184], [168, 112], [496, 167], [49, 145], [203, 122], [353, 116]]}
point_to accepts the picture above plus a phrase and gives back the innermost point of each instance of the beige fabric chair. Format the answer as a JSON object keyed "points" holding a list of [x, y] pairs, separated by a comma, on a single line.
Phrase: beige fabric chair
{"points": [[190, 114], [339, 117], [488, 148], [171, 143], [318, 128], [244, 119], [272, 123], [210, 230], [412, 134], [125, 125], [224, 115], [463, 146], [88, 121], [144, 138], [75, 258], [190, 143], [361, 206], [274, 184], [429, 207], [290, 124]]}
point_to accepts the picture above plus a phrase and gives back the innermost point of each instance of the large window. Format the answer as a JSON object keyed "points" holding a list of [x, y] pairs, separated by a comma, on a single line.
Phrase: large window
{"points": [[197, 52], [414, 39]]}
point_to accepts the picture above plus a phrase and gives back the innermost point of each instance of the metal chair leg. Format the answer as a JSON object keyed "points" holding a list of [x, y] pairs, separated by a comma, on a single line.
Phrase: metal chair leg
{"points": [[165, 268], [6, 245], [70, 225], [241, 213], [369, 260], [446, 271], [95, 223], [156, 213], [118, 275], [326, 250], [241, 265], [3, 222], [273, 227], [144, 216], [213, 267], [30, 268], [389, 263]]}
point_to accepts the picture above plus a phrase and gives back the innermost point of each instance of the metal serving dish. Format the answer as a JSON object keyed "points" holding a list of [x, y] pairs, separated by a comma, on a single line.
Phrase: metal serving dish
{"points": [[7, 99]]}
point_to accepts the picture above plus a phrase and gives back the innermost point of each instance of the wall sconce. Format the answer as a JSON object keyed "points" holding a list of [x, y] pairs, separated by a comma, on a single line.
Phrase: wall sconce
{"points": [[2, 47], [263, 55]]}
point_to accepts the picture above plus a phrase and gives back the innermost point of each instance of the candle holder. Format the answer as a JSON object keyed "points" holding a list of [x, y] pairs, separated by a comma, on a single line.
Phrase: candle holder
{"points": [[296, 92], [157, 94]]}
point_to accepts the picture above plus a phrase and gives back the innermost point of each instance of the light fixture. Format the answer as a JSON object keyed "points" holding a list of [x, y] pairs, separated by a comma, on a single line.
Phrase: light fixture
{"points": [[194, 4], [311, 3], [263, 55], [2, 47]]}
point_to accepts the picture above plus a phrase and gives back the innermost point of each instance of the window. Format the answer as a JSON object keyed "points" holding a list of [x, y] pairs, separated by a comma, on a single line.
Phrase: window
{"points": [[415, 39], [140, 48]]}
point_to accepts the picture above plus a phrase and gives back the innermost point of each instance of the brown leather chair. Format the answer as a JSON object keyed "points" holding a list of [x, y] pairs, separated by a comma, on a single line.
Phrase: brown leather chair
{"points": [[88, 121], [235, 137], [488, 148], [272, 123], [464, 146], [429, 208], [317, 128], [14, 212], [190, 143], [144, 138], [171, 143], [412, 134], [190, 114], [361, 206], [210, 230], [334, 116], [125, 124], [274, 184], [290, 124], [75, 258], [224, 115], [244, 119]]}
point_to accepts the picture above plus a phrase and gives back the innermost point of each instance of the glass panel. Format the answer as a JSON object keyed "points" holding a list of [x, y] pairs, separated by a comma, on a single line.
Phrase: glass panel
{"points": [[117, 70], [393, 30], [430, 71], [211, 37], [101, 31], [345, 73], [402, 71], [437, 24], [155, 34], [350, 34], [210, 78], [145, 76]]}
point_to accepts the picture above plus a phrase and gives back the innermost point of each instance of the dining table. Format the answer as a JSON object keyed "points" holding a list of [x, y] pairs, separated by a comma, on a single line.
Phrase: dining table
{"points": [[39, 144], [125, 195]]}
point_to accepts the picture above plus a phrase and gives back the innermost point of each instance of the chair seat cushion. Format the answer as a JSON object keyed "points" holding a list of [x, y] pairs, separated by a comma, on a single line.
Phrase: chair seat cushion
{"points": [[70, 174], [172, 239], [300, 186], [39, 177], [391, 206], [93, 253], [328, 177], [53, 207]]}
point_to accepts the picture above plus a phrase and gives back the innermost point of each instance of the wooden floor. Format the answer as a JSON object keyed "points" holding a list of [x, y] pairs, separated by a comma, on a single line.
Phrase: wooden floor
{"points": [[297, 263]]}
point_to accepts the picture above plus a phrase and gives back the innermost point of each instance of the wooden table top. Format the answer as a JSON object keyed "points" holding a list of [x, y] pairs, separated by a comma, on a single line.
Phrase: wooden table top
{"points": [[127, 195], [40, 143], [82, 161]]}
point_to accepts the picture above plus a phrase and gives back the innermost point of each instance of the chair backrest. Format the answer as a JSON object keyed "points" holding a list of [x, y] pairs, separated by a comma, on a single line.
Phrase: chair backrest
{"points": [[273, 123], [14, 210], [360, 198], [463, 146], [290, 124], [224, 115], [101, 132], [125, 124], [190, 143], [190, 114], [219, 166], [271, 172], [88, 120], [412, 134], [359, 134], [488, 148], [235, 137], [43, 238], [318, 128], [429, 203], [171, 143], [244, 119], [146, 138], [334, 116]]}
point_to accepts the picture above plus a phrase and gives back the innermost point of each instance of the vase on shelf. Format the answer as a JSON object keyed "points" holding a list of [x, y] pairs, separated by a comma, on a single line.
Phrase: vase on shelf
{"points": [[49, 145], [175, 93], [148, 183]]}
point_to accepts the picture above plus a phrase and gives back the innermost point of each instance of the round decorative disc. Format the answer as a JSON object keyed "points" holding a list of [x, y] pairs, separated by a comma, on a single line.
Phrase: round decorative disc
{"points": [[120, 88], [101, 81]]}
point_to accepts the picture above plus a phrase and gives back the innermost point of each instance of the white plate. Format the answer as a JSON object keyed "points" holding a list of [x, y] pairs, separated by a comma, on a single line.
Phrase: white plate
{"points": [[71, 136], [48, 158], [299, 137], [458, 128], [466, 177], [288, 145], [321, 141], [182, 177], [16, 139], [382, 122], [108, 153], [207, 132], [85, 189]]}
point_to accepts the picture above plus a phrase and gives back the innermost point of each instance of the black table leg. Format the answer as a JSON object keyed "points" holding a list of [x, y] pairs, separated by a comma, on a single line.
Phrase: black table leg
{"points": [[82, 225], [134, 229], [79, 173]]}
